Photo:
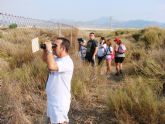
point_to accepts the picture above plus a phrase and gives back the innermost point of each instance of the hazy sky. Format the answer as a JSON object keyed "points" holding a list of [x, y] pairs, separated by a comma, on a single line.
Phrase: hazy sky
{"points": [[83, 10]]}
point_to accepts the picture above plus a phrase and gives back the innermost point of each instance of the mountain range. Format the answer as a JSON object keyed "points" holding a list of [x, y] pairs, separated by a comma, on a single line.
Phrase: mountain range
{"points": [[105, 22]]}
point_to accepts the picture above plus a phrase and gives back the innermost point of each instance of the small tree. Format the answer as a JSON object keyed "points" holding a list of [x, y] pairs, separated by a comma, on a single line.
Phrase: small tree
{"points": [[13, 26]]}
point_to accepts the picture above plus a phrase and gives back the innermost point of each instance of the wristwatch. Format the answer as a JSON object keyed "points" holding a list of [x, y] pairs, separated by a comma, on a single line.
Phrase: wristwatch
{"points": [[49, 51]]}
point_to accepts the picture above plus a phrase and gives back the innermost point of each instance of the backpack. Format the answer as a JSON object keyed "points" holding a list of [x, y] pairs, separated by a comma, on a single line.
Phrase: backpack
{"points": [[112, 53], [121, 48], [102, 50]]}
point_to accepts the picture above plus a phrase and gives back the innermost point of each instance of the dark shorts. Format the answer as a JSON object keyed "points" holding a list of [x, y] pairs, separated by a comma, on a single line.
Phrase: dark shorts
{"points": [[119, 59], [90, 60], [100, 59]]}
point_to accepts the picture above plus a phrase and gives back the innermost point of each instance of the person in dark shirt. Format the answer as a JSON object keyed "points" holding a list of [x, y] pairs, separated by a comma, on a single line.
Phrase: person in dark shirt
{"points": [[92, 48]]}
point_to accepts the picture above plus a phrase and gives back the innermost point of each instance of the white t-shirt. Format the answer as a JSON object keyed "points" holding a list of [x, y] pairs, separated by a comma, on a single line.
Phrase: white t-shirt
{"points": [[101, 50], [58, 89]]}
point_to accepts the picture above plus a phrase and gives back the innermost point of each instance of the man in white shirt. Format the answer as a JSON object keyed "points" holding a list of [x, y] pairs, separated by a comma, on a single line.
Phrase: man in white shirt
{"points": [[59, 81]]}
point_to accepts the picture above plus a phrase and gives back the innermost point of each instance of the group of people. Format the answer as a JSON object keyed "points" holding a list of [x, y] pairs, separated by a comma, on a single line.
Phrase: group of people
{"points": [[103, 51], [60, 68]]}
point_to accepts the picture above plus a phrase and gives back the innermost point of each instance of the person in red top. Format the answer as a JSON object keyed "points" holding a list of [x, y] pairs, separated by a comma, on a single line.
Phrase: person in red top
{"points": [[120, 50]]}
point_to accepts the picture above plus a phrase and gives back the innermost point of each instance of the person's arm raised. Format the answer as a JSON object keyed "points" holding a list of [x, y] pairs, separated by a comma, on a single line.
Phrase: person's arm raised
{"points": [[52, 65], [44, 55]]}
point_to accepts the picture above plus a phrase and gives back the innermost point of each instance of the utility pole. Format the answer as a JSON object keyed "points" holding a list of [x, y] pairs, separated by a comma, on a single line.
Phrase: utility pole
{"points": [[110, 22]]}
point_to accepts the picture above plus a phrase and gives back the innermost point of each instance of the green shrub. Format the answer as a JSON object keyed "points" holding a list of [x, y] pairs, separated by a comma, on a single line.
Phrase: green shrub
{"points": [[13, 26]]}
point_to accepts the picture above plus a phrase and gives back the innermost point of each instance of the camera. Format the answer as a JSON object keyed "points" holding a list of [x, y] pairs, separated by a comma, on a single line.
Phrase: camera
{"points": [[80, 40], [43, 46], [36, 46]]}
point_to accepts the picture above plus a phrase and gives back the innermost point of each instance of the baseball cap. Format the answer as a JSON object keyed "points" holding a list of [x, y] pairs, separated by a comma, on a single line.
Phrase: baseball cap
{"points": [[117, 39]]}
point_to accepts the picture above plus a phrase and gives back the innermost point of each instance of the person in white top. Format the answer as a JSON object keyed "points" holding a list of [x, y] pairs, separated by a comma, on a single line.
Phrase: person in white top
{"points": [[83, 50], [101, 50], [59, 81], [109, 55]]}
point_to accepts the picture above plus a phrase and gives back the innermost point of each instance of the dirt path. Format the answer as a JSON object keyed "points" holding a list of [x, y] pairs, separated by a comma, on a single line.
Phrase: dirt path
{"points": [[95, 110]]}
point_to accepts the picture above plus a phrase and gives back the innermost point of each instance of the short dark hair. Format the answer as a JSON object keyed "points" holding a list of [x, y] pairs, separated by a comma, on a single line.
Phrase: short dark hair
{"points": [[65, 43], [92, 33], [102, 38]]}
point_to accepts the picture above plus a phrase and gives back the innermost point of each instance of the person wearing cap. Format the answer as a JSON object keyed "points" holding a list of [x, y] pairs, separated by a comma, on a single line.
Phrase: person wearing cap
{"points": [[120, 50]]}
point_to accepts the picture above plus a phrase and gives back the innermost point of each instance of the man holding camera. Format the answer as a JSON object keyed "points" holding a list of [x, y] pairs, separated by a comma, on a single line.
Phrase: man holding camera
{"points": [[82, 49], [92, 48], [58, 87]]}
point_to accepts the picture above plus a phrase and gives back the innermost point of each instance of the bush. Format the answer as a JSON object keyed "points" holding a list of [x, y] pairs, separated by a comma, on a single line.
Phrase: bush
{"points": [[150, 38], [136, 36], [153, 37], [137, 100], [149, 68], [159, 56], [121, 32], [13, 26]]}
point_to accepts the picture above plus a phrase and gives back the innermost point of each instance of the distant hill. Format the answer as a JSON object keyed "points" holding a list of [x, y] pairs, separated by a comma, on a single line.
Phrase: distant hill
{"points": [[105, 22]]}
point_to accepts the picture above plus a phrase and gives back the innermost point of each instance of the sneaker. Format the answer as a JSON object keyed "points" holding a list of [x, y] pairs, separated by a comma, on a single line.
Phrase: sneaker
{"points": [[121, 72], [117, 74]]}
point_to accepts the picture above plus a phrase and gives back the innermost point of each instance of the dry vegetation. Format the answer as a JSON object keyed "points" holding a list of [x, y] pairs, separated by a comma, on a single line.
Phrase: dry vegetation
{"points": [[136, 97]]}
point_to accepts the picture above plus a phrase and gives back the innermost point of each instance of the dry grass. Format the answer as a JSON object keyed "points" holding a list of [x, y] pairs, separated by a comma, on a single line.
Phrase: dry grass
{"points": [[135, 97], [23, 76], [136, 101]]}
